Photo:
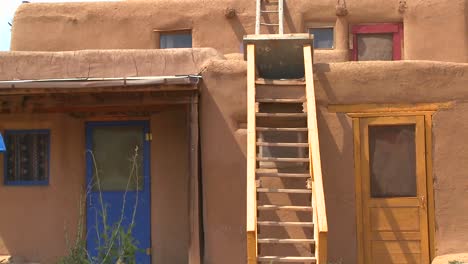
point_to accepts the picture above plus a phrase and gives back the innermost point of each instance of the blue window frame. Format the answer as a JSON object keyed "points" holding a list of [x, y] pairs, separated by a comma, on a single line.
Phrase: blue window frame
{"points": [[324, 37], [27, 157], [175, 39]]}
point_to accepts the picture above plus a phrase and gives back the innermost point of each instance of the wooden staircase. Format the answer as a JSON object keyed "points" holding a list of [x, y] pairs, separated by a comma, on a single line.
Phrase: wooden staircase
{"points": [[286, 216]]}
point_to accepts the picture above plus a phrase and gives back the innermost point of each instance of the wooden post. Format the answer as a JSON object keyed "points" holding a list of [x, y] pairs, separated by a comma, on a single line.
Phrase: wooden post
{"points": [[251, 194], [194, 206]]}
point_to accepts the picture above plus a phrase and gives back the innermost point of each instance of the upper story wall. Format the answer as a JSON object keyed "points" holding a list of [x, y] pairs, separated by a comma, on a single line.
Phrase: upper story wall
{"points": [[433, 30]]}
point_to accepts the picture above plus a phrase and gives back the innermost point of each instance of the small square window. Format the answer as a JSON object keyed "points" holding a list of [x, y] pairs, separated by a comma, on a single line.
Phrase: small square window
{"points": [[175, 39], [27, 157], [324, 37], [377, 42]]}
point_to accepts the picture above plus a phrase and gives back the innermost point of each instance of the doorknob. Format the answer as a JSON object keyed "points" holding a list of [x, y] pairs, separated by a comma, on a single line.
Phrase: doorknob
{"points": [[423, 202]]}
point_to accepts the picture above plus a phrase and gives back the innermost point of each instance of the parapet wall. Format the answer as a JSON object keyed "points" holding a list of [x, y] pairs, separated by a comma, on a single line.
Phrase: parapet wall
{"points": [[433, 30]]}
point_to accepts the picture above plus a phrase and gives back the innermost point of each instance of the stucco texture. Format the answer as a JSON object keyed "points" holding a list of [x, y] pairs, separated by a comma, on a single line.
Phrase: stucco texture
{"points": [[433, 30], [223, 134]]}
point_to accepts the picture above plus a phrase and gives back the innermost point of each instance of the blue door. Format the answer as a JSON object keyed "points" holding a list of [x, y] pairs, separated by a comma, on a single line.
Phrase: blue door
{"points": [[118, 192]]}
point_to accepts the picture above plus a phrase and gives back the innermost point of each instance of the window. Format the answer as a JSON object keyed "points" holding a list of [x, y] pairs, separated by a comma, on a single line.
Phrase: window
{"points": [[377, 42], [27, 157], [175, 39], [324, 37]]}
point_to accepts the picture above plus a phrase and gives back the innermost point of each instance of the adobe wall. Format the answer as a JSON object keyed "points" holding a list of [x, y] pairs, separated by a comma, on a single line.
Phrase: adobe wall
{"points": [[34, 215], [223, 134], [433, 30]]}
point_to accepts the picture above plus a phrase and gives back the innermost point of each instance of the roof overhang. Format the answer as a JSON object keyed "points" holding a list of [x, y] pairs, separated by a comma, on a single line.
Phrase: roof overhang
{"points": [[98, 85]]}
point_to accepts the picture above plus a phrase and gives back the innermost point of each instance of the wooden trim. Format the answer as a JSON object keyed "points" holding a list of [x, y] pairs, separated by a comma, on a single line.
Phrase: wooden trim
{"points": [[358, 188], [395, 28], [387, 108], [430, 185], [251, 195], [320, 211], [194, 253]]}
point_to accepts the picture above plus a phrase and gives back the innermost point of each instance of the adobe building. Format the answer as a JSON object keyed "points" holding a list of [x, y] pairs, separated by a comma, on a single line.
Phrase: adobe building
{"points": [[343, 140]]}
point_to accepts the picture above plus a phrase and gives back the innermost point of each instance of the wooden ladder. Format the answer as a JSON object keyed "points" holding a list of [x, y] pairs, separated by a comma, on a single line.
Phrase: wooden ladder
{"points": [[286, 216], [263, 11]]}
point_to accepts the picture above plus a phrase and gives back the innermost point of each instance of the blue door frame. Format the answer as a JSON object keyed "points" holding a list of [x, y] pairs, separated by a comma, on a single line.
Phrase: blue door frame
{"points": [[114, 200]]}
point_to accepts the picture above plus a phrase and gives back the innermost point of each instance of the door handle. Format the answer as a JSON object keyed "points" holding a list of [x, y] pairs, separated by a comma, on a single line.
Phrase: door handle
{"points": [[423, 202]]}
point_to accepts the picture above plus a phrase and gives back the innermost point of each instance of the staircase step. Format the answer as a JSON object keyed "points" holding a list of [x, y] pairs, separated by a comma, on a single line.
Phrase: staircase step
{"points": [[272, 259], [285, 241], [272, 159], [284, 207], [283, 144], [275, 190], [276, 223], [287, 82], [280, 100], [275, 173], [282, 129], [282, 115]]}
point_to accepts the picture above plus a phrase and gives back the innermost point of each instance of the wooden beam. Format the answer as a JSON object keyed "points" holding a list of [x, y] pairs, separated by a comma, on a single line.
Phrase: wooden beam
{"points": [[251, 196], [194, 197], [315, 160], [430, 185], [369, 108]]}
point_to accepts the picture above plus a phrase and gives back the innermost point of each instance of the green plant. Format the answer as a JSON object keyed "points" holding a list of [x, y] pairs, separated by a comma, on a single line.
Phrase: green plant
{"points": [[116, 242]]}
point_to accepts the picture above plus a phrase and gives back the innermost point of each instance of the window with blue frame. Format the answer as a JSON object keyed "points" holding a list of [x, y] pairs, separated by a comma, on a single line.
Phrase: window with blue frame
{"points": [[27, 157], [324, 37], [175, 39]]}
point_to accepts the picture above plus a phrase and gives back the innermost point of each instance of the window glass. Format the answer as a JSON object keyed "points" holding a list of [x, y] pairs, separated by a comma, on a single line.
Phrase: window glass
{"points": [[375, 46], [114, 149], [392, 160], [170, 40], [27, 157], [323, 37]]}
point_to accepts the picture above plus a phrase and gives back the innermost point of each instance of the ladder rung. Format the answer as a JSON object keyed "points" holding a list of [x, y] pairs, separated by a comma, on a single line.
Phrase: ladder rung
{"points": [[282, 129], [269, 11], [282, 144], [274, 190], [289, 82], [285, 241], [276, 223], [274, 159], [269, 24], [281, 101], [284, 207], [272, 259], [275, 173], [282, 115]]}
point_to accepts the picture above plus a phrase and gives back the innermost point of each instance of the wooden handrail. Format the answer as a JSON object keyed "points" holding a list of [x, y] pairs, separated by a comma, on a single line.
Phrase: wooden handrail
{"points": [[318, 201], [251, 159]]}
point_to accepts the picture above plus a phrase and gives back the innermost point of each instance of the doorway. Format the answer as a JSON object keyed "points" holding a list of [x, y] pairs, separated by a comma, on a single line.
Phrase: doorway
{"points": [[392, 190], [118, 184]]}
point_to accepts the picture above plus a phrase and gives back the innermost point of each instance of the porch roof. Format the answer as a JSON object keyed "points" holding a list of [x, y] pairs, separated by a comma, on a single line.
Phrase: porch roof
{"points": [[86, 85]]}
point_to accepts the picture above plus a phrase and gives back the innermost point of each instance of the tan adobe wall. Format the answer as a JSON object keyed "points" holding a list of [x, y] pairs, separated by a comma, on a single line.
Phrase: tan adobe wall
{"points": [[36, 220], [433, 30], [223, 134]]}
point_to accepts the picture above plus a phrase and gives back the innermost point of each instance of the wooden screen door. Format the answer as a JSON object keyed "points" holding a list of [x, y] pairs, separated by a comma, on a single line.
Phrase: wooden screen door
{"points": [[394, 194]]}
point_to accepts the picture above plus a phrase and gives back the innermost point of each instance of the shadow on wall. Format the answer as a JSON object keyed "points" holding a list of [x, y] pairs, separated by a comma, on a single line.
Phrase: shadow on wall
{"points": [[336, 147], [224, 180]]}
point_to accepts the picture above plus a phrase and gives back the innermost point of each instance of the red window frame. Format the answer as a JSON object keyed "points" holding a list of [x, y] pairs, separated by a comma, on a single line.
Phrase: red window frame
{"points": [[395, 28]]}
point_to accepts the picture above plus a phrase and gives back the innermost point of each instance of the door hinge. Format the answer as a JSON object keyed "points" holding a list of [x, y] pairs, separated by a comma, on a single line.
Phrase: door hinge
{"points": [[148, 136]]}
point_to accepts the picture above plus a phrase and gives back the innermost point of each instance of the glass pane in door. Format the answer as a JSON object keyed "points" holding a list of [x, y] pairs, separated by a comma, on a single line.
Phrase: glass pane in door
{"points": [[392, 160], [118, 158], [375, 47]]}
